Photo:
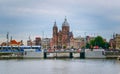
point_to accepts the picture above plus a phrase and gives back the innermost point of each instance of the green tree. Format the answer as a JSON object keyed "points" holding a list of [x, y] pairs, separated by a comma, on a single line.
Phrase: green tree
{"points": [[98, 41], [64, 47], [87, 45], [92, 42], [106, 45]]}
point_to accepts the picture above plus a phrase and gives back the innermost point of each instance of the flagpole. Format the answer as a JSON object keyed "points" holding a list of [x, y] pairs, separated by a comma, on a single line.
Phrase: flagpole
{"points": [[7, 38]]}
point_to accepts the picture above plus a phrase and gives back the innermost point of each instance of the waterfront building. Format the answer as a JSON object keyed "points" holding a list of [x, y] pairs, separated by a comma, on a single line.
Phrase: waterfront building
{"points": [[88, 39], [112, 44], [80, 42], [76, 42], [36, 42], [62, 37], [45, 43], [29, 43], [117, 41]]}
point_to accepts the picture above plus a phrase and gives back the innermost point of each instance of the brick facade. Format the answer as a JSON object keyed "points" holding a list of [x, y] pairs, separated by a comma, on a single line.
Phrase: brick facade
{"points": [[62, 37]]}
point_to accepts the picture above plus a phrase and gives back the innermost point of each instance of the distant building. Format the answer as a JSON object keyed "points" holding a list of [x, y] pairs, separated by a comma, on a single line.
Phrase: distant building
{"points": [[45, 42], [88, 39], [62, 37], [117, 41], [77, 42], [29, 43], [112, 44], [36, 42], [80, 42]]}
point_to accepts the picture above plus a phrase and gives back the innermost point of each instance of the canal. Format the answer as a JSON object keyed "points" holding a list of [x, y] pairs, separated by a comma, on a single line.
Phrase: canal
{"points": [[59, 66]]}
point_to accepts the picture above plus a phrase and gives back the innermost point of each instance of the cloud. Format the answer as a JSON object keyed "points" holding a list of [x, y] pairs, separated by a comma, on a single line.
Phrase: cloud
{"points": [[35, 16]]}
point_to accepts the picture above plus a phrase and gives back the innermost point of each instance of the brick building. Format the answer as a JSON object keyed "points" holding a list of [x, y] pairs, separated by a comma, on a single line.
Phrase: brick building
{"points": [[62, 37]]}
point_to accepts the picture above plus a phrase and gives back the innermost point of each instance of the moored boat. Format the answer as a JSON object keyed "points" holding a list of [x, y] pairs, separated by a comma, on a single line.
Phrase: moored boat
{"points": [[21, 51]]}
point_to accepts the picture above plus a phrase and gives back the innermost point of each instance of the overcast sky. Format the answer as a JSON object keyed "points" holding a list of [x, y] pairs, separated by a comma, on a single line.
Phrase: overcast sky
{"points": [[24, 18]]}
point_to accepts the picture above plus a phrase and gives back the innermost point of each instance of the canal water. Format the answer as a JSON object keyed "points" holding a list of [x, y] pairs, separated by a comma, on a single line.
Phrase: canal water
{"points": [[60, 66]]}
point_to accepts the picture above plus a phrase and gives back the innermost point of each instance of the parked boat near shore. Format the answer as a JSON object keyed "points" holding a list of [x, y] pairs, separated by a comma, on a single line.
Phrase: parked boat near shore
{"points": [[21, 51]]}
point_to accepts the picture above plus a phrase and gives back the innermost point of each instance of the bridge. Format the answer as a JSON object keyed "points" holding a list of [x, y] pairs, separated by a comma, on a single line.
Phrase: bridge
{"points": [[64, 53], [81, 54]]}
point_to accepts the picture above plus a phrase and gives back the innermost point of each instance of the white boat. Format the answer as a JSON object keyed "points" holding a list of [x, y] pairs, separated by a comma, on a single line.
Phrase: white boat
{"points": [[22, 51], [95, 54]]}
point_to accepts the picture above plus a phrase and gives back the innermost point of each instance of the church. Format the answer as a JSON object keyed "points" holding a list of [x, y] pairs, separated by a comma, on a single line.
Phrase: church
{"points": [[62, 38]]}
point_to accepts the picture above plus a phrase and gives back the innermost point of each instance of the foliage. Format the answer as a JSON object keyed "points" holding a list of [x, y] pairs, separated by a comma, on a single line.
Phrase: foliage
{"points": [[87, 45], [107, 45], [72, 47], [64, 47], [98, 41]]}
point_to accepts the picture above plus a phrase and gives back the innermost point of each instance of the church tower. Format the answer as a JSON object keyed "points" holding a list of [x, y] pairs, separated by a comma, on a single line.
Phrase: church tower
{"points": [[65, 33], [61, 38], [55, 35]]}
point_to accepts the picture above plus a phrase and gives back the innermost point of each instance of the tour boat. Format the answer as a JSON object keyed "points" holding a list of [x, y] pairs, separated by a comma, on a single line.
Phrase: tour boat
{"points": [[21, 51]]}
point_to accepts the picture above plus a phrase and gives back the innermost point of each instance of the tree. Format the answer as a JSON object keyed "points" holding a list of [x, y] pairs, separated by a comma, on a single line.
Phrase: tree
{"points": [[92, 43], [106, 45], [87, 45], [98, 41], [64, 47]]}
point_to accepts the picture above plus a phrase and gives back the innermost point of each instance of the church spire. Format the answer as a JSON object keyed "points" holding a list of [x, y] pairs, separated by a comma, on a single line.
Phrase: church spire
{"points": [[65, 18], [55, 28], [55, 25]]}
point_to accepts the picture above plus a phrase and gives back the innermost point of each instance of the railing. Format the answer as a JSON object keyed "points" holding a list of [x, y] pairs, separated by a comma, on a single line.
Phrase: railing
{"points": [[117, 53], [62, 51]]}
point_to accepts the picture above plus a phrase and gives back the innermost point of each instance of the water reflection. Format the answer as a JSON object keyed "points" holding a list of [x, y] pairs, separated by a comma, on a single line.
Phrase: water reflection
{"points": [[60, 66]]}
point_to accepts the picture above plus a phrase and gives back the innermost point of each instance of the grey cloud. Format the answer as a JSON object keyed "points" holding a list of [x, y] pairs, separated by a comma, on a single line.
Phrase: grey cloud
{"points": [[89, 15]]}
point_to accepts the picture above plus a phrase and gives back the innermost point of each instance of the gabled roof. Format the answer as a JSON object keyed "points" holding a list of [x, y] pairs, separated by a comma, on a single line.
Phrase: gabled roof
{"points": [[13, 42]]}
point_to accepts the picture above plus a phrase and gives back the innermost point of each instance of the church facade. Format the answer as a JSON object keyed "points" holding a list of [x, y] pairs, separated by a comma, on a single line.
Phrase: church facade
{"points": [[62, 38]]}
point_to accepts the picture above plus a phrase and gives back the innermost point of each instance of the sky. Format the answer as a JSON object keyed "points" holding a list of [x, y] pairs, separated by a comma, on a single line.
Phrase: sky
{"points": [[35, 18]]}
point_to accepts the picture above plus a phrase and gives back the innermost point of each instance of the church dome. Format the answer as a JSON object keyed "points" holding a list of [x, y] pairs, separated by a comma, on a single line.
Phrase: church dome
{"points": [[65, 23]]}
